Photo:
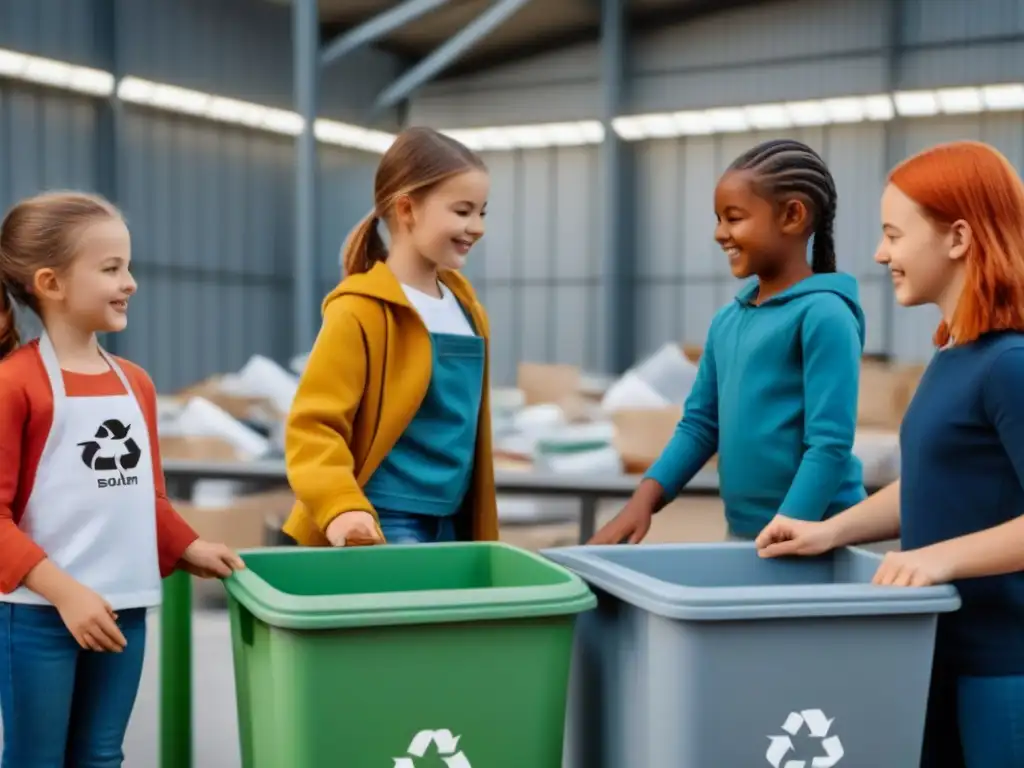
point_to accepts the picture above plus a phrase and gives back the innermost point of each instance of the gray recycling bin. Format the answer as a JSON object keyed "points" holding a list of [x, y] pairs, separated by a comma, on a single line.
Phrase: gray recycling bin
{"points": [[703, 655]]}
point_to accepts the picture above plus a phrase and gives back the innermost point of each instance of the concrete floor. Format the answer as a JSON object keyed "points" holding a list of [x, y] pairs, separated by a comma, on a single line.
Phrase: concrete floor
{"points": [[215, 729], [215, 724]]}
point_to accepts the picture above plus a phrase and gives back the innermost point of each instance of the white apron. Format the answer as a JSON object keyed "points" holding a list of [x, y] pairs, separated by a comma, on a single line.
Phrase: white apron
{"points": [[93, 505]]}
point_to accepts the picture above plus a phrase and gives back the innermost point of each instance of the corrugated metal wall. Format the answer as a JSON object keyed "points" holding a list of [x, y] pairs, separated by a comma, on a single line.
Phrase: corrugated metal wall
{"points": [[210, 206], [538, 266], [540, 249], [237, 48], [684, 275]]}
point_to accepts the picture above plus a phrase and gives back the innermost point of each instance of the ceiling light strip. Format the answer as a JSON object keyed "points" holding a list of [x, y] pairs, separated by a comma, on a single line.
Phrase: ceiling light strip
{"points": [[720, 120], [55, 74], [815, 112], [565, 134], [170, 98]]}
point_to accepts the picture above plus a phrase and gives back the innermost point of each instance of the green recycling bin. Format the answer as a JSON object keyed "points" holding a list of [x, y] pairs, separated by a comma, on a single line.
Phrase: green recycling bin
{"points": [[398, 656]]}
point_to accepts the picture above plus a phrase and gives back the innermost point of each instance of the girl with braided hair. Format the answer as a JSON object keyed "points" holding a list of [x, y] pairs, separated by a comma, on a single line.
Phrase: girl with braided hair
{"points": [[776, 391]]}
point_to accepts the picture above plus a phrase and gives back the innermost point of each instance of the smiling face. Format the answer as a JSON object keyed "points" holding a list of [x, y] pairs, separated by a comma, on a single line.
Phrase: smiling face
{"points": [[925, 260], [750, 229], [93, 291], [448, 221]]}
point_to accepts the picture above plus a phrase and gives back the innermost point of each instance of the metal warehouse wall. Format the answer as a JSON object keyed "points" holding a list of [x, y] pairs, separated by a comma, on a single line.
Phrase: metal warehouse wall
{"points": [[540, 257], [538, 267], [210, 206]]}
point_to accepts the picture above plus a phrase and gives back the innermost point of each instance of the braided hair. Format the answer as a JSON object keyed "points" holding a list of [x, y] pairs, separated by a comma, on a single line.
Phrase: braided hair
{"points": [[787, 167]]}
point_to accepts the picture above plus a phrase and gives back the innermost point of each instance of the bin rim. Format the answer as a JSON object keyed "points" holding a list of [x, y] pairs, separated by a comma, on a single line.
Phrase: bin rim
{"points": [[675, 601], [280, 609]]}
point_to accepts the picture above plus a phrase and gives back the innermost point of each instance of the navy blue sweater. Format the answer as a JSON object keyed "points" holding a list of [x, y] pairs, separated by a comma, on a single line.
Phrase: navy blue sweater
{"points": [[962, 445]]}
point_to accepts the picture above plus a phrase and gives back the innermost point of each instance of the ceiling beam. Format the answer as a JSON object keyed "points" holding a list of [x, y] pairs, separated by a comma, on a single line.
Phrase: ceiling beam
{"points": [[640, 22], [379, 26], [442, 57]]}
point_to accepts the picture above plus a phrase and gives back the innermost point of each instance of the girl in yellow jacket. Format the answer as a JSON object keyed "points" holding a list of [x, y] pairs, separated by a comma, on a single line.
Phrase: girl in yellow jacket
{"points": [[389, 435]]}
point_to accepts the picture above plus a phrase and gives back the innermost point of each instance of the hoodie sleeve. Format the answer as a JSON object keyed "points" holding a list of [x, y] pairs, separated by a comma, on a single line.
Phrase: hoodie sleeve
{"points": [[319, 426], [831, 345], [696, 436]]}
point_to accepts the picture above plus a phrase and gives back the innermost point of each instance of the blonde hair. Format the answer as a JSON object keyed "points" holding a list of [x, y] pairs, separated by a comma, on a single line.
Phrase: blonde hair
{"points": [[40, 233], [416, 161]]}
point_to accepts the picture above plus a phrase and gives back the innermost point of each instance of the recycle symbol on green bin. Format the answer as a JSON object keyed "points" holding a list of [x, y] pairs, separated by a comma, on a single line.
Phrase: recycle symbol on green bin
{"points": [[818, 726], [446, 744]]}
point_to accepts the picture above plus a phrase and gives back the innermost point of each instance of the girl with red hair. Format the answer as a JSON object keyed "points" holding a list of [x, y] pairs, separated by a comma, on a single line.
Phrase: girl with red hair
{"points": [[953, 236]]}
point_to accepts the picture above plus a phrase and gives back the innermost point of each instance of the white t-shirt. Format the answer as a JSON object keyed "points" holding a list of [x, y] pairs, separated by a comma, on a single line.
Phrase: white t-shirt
{"points": [[444, 315]]}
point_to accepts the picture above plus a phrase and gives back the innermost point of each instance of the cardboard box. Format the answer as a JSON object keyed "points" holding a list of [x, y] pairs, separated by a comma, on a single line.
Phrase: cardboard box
{"points": [[253, 409], [242, 523], [190, 448], [548, 383], [692, 352], [885, 393], [642, 434]]}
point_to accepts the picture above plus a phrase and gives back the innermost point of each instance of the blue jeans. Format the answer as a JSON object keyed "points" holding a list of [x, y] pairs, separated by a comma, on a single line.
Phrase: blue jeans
{"points": [[62, 705], [410, 528], [975, 722]]}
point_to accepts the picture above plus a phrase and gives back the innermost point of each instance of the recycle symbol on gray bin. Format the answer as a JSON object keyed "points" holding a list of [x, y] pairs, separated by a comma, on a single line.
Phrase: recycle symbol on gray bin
{"points": [[446, 745], [817, 726]]}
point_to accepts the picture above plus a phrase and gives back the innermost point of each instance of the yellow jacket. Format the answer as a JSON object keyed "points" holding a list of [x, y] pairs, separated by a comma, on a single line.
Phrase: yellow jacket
{"points": [[367, 374]]}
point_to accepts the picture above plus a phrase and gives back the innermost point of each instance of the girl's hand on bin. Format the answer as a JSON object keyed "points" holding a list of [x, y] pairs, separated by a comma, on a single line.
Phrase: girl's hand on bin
{"points": [[354, 529], [631, 525], [210, 560], [788, 536], [914, 568]]}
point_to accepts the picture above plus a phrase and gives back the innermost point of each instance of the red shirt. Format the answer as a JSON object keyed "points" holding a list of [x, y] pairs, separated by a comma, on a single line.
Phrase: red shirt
{"points": [[26, 414]]}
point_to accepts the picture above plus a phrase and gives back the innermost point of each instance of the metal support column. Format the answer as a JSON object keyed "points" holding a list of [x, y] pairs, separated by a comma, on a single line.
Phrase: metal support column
{"points": [[108, 121], [895, 148], [306, 69], [616, 209]]}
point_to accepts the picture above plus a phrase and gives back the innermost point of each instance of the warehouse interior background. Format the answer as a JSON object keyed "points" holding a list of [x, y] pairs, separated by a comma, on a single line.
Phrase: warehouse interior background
{"points": [[599, 244], [240, 138]]}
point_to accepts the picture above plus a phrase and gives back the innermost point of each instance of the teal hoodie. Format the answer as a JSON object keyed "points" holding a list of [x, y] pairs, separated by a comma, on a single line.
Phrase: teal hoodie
{"points": [[776, 397]]}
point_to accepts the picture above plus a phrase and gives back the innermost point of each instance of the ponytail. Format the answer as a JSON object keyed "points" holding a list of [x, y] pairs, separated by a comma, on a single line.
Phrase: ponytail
{"points": [[363, 247], [416, 160], [10, 339], [823, 253]]}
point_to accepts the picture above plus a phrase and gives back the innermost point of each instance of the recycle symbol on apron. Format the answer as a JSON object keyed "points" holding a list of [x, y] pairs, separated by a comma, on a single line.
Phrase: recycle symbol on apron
{"points": [[446, 745], [110, 431]]}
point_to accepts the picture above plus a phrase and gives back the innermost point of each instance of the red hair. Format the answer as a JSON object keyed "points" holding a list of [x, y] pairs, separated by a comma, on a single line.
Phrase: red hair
{"points": [[973, 182]]}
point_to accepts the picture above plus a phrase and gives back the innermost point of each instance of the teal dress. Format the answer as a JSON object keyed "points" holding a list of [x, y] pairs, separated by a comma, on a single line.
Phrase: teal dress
{"points": [[419, 488]]}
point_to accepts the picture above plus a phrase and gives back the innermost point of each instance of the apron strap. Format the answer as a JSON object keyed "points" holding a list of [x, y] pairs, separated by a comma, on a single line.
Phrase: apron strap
{"points": [[53, 370], [120, 373]]}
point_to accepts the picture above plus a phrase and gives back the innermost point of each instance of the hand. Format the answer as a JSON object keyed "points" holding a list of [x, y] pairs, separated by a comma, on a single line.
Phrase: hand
{"points": [[789, 536], [354, 529], [209, 560], [90, 619], [914, 568], [631, 524]]}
